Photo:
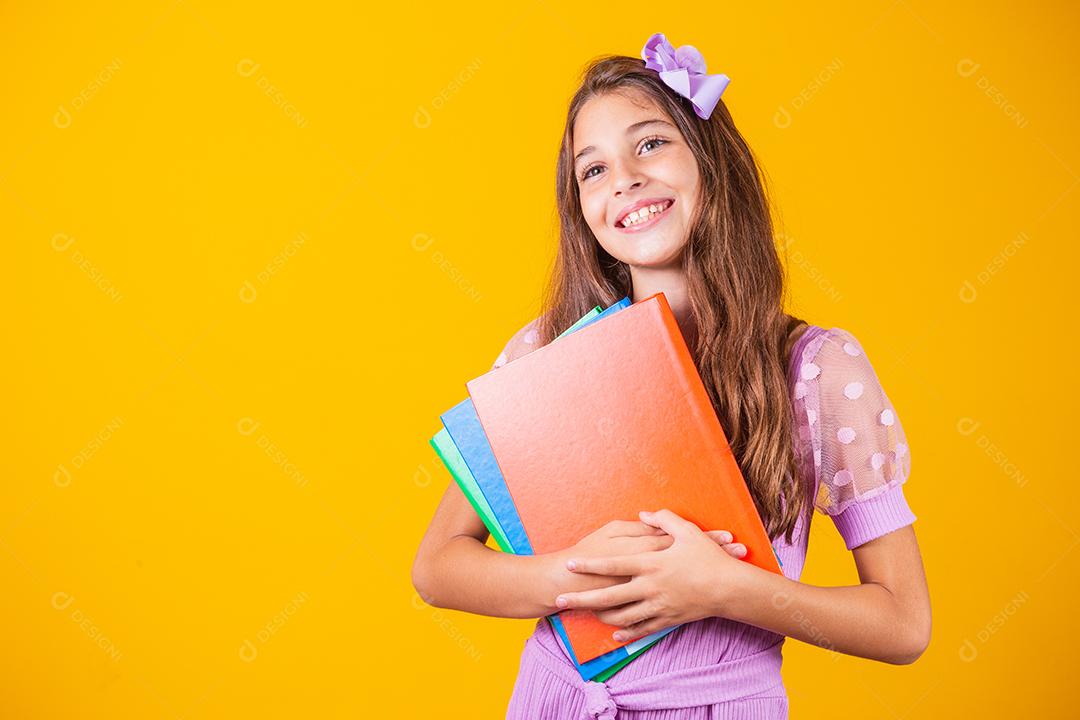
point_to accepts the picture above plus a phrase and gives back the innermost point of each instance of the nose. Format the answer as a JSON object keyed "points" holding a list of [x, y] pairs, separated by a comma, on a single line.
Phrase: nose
{"points": [[628, 178]]}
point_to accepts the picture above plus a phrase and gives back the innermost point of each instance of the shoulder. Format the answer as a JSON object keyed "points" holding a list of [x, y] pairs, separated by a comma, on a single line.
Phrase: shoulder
{"points": [[832, 351], [524, 340], [839, 388]]}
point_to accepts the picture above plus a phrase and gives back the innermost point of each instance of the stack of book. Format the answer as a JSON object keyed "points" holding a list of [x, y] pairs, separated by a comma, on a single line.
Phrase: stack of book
{"points": [[609, 419]]}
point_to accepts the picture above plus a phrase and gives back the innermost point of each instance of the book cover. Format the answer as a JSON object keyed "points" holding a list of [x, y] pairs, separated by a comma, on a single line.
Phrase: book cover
{"points": [[611, 420], [462, 419]]}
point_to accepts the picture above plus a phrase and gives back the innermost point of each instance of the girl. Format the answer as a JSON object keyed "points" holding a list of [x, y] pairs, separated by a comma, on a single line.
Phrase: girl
{"points": [[658, 191]]}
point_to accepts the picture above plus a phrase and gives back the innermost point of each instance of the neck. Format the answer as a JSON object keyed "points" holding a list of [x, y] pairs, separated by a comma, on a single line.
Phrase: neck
{"points": [[672, 282]]}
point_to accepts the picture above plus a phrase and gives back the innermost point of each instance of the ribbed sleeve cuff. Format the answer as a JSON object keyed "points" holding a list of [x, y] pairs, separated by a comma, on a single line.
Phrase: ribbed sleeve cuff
{"points": [[863, 521]]}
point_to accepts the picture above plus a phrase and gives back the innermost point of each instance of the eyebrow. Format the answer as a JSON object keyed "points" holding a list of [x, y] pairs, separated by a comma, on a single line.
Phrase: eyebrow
{"points": [[629, 130]]}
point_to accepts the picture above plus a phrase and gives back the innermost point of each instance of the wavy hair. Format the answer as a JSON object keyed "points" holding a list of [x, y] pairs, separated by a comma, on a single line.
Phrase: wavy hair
{"points": [[736, 285]]}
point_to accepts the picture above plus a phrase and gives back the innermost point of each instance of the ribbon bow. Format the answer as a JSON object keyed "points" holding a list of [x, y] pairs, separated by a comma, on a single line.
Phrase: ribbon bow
{"points": [[598, 702], [683, 71]]}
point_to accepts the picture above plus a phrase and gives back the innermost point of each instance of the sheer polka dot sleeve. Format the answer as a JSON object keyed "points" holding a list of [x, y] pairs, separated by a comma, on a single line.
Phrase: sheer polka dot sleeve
{"points": [[521, 343], [860, 449]]}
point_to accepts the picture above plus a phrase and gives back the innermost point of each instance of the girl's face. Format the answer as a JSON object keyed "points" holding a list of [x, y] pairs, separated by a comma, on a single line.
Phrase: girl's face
{"points": [[636, 177]]}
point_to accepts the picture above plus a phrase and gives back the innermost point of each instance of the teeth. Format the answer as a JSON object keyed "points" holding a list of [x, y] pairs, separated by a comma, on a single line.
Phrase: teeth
{"points": [[642, 214]]}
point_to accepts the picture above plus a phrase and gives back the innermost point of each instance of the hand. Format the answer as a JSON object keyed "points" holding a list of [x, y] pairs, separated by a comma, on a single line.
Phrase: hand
{"points": [[685, 582], [618, 537]]}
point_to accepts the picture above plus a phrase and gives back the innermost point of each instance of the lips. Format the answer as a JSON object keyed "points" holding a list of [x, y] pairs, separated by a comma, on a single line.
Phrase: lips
{"points": [[652, 219], [645, 202]]}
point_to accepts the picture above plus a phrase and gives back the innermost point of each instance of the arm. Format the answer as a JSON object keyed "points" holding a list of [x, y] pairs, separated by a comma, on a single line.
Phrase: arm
{"points": [[886, 617], [863, 451], [455, 569]]}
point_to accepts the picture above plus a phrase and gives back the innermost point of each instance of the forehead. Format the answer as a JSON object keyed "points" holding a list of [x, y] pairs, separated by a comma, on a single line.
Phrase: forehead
{"points": [[609, 115]]}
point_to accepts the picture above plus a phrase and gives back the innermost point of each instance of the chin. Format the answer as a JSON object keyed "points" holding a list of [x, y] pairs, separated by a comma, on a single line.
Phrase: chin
{"points": [[652, 263], [651, 255]]}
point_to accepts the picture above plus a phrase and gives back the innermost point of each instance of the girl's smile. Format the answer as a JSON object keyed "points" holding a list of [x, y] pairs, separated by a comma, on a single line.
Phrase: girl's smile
{"points": [[643, 214]]}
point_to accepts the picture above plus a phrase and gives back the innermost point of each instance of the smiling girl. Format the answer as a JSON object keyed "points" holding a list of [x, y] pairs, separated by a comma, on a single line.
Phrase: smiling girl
{"points": [[659, 192]]}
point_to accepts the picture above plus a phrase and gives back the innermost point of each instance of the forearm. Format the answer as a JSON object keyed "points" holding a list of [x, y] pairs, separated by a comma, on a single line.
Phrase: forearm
{"points": [[866, 620], [464, 574]]}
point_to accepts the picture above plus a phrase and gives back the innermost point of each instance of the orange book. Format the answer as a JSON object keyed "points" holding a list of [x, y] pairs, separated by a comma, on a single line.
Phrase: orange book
{"points": [[611, 420]]}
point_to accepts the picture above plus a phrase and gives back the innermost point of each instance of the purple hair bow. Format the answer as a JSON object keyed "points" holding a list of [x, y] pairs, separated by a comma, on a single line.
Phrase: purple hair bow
{"points": [[683, 71]]}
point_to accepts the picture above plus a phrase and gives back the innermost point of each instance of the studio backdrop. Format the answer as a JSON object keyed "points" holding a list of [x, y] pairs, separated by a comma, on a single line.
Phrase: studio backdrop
{"points": [[253, 252]]}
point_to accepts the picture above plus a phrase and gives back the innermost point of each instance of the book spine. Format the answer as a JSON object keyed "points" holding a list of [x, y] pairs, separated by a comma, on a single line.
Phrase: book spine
{"points": [[676, 343], [693, 389]]}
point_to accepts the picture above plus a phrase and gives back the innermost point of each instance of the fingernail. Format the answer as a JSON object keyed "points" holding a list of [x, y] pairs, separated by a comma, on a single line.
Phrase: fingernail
{"points": [[740, 550], [560, 601], [571, 565], [619, 637], [727, 537]]}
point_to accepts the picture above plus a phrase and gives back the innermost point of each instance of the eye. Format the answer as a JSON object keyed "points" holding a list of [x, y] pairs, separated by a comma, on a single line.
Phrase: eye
{"points": [[658, 141], [586, 174]]}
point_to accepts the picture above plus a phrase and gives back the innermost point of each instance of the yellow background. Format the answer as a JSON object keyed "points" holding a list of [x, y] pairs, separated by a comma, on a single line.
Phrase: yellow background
{"points": [[253, 253]]}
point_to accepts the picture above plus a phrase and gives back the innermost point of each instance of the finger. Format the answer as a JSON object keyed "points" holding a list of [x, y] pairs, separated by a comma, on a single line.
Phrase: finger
{"points": [[629, 528], [735, 550], [669, 522], [662, 542], [635, 545], [722, 537], [627, 615], [603, 598], [640, 630], [646, 543], [615, 565]]}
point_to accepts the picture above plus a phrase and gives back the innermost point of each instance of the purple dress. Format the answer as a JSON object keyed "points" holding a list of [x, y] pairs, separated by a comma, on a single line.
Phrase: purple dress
{"points": [[847, 435]]}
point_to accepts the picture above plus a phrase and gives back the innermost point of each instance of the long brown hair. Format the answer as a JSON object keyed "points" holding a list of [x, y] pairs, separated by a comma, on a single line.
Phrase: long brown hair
{"points": [[735, 280]]}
